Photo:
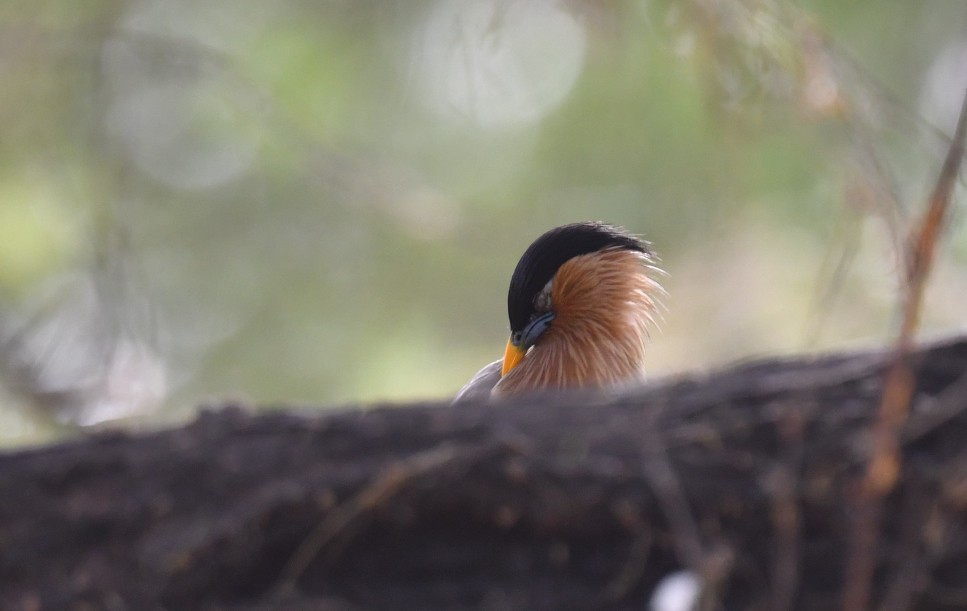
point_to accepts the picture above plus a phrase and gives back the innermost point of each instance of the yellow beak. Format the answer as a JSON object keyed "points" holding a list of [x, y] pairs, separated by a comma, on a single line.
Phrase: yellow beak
{"points": [[512, 358]]}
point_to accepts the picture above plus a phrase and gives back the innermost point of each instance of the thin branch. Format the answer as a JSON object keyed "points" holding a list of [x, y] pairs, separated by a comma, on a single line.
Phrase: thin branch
{"points": [[340, 520], [912, 565], [786, 514], [884, 466], [673, 500]]}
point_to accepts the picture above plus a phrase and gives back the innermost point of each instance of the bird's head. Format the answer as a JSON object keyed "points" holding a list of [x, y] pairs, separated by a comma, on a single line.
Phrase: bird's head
{"points": [[580, 303]]}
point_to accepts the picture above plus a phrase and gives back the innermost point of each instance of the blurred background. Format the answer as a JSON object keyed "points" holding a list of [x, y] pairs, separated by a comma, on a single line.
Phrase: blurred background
{"points": [[321, 203]]}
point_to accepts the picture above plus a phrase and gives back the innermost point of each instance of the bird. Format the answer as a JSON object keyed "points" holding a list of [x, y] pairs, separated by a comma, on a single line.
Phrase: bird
{"points": [[581, 304]]}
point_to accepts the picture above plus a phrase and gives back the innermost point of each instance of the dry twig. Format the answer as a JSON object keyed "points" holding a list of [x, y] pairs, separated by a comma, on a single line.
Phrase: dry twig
{"points": [[884, 465], [340, 520]]}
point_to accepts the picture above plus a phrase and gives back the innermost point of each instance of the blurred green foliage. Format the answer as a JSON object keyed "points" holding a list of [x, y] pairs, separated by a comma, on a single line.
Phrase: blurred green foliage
{"points": [[322, 203]]}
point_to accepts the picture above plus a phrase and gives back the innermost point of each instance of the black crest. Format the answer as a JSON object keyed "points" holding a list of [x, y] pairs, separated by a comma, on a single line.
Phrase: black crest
{"points": [[549, 252]]}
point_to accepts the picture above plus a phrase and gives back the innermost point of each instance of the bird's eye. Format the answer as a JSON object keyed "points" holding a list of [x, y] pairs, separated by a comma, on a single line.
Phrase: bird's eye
{"points": [[542, 302], [515, 338]]}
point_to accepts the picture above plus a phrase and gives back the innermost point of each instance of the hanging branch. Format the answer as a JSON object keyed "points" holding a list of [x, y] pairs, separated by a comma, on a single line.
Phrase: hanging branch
{"points": [[885, 463]]}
